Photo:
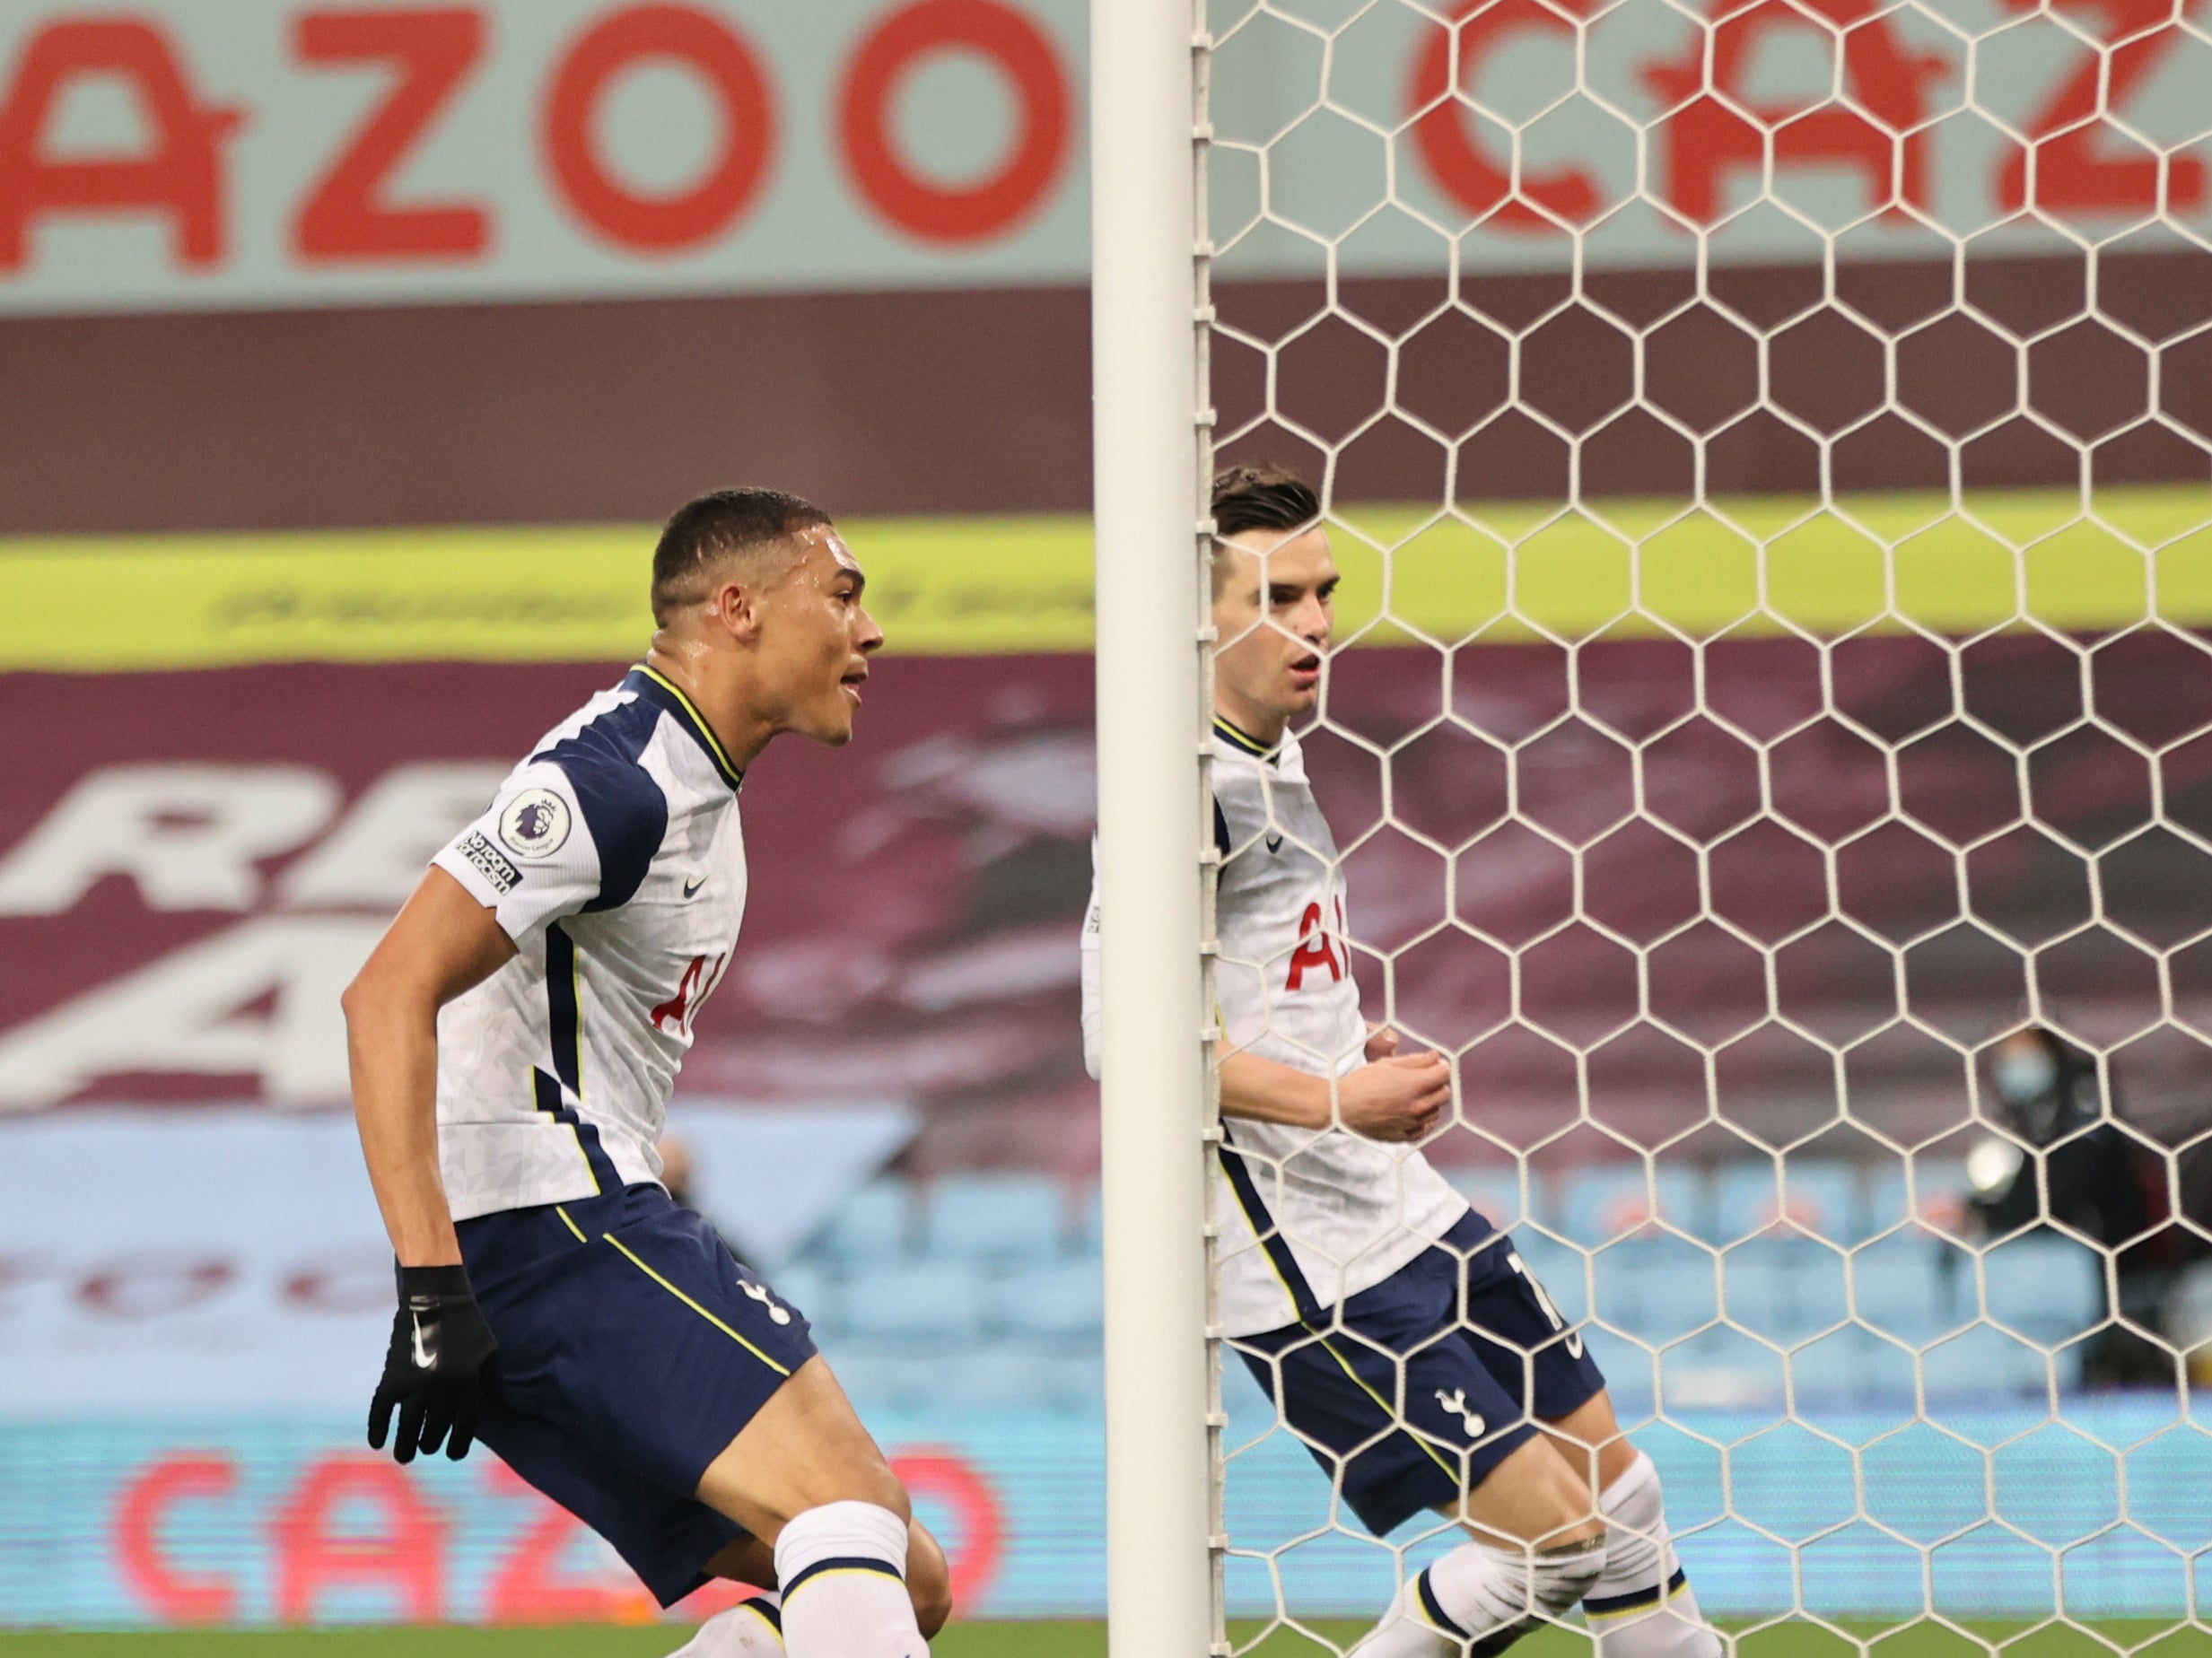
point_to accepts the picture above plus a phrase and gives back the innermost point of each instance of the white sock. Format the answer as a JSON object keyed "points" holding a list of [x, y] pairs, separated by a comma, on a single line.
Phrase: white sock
{"points": [[843, 1568], [1642, 1606], [1481, 1599], [752, 1628]]}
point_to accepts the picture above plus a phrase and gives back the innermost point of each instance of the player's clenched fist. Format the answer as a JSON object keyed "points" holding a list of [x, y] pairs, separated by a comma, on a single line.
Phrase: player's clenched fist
{"points": [[1397, 1098], [437, 1367]]}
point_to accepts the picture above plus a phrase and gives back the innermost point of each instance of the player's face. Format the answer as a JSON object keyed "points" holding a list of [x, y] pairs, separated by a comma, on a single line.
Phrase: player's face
{"points": [[816, 639], [1273, 608]]}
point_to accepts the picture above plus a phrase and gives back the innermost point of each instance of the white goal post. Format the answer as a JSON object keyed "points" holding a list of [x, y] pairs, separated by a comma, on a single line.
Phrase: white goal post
{"points": [[1148, 351]]}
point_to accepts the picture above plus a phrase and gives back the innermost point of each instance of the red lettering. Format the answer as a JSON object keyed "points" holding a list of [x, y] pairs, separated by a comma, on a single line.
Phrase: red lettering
{"points": [[978, 1542], [320, 1542], [1314, 949], [181, 174], [172, 1596], [672, 1015], [1022, 54], [730, 70], [529, 1587], [1717, 129], [346, 216], [2069, 175], [1444, 128], [149, 1285]]}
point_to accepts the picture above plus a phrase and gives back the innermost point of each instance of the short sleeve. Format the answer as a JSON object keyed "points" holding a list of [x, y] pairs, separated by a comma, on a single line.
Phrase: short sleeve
{"points": [[532, 858]]}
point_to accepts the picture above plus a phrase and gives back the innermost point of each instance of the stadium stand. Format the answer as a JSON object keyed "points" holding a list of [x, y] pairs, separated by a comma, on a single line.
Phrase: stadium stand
{"points": [[986, 1290]]}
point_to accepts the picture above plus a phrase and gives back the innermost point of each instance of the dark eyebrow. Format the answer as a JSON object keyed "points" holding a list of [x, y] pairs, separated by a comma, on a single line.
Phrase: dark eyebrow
{"points": [[857, 577]]}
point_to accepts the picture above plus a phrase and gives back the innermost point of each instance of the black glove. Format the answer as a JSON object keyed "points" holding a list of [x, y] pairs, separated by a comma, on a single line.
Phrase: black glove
{"points": [[440, 1361]]}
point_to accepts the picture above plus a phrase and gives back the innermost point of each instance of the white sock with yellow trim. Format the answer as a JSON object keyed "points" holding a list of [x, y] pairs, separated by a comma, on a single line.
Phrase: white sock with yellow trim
{"points": [[752, 1628], [1481, 1599], [1642, 1606], [843, 1568]]}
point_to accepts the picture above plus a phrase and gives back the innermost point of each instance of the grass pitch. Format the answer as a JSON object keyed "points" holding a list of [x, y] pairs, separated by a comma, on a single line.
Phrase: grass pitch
{"points": [[1088, 1640]]}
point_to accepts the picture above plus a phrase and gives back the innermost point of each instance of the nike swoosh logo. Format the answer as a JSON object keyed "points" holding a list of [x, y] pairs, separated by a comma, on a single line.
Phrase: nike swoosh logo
{"points": [[1274, 844], [691, 888], [423, 1360]]}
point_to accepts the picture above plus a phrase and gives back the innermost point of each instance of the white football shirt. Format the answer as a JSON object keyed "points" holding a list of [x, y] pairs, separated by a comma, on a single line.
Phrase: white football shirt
{"points": [[1308, 1216], [614, 859]]}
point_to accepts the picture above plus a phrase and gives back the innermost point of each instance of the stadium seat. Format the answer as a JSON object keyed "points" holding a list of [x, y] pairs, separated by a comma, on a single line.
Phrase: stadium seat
{"points": [[1941, 1191], [1756, 1285], [1912, 1286], [995, 1218], [922, 1305], [2046, 1288], [872, 1226], [1718, 1367], [1823, 1201], [1985, 1360], [1657, 1290], [1064, 1299], [1613, 1201]]}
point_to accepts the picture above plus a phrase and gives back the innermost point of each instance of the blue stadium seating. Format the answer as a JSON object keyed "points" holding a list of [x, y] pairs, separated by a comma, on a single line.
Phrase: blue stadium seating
{"points": [[917, 1302], [985, 1289], [993, 1217], [1058, 1299], [874, 1226], [1912, 1285], [1941, 1187], [1657, 1290], [1613, 1201], [2045, 1287], [1822, 1199]]}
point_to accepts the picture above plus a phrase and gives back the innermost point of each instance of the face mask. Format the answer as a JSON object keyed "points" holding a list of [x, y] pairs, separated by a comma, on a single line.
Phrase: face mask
{"points": [[2019, 1074]]}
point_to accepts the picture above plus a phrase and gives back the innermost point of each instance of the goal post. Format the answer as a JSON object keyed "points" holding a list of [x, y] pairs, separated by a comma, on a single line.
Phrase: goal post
{"points": [[1149, 448]]}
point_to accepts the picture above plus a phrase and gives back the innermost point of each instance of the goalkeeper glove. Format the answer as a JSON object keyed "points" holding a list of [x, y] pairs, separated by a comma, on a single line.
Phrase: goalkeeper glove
{"points": [[440, 1363]]}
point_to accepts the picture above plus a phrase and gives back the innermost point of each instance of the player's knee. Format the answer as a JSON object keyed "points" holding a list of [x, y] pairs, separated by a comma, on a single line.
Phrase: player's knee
{"points": [[1561, 1575], [1635, 1514], [929, 1581]]}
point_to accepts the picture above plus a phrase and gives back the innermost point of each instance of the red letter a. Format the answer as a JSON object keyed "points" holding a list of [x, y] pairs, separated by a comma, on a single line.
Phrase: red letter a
{"points": [[181, 174]]}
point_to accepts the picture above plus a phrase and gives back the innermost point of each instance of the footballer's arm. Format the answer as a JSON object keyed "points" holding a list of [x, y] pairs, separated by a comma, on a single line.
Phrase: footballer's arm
{"points": [[443, 942], [1389, 1098]]}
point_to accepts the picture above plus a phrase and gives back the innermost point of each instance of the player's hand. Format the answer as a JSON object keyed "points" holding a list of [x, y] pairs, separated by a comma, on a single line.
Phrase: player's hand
{"points": [[1382, 1042], [1399, 1098], [437, 1367]]}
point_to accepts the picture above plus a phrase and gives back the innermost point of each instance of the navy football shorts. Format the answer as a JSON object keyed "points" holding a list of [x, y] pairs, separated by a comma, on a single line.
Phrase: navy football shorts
{"points": [[1430, 1379], [632, 1349]]}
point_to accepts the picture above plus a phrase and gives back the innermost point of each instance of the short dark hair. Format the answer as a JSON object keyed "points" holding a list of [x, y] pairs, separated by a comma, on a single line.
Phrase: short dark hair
{"points": [[715, 526], [1262, 497]]}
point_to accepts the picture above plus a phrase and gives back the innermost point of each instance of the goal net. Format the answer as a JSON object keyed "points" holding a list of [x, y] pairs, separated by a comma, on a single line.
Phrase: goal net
{"points": [[1768, 743]]}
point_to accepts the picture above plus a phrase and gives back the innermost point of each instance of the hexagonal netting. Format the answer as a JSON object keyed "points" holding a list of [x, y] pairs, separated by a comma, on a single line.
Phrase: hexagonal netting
{"points": [[1766, 743]]}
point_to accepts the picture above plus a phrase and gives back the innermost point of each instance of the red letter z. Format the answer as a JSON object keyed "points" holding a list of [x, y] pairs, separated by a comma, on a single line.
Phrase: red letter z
{"points": [[344, 218]]}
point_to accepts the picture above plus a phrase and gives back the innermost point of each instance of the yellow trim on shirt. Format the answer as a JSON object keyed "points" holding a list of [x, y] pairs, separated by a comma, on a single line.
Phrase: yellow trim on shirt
{"points": [[692, 708], [571, 1224]]}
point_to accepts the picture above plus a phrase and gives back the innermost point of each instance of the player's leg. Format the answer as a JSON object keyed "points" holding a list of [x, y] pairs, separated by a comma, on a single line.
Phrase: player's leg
{"points": [[929, 1576], [804, 1476], [643, 1342], [1406, 1419], [1643, 1605]]}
